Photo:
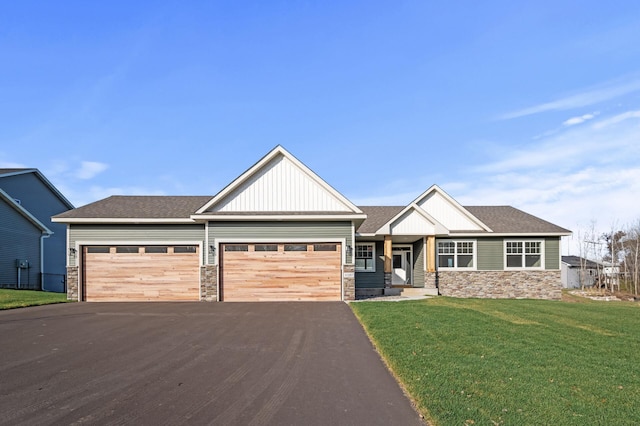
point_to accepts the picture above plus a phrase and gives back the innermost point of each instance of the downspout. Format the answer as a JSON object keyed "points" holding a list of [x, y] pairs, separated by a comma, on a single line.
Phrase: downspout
{"points": [[42, 237]]}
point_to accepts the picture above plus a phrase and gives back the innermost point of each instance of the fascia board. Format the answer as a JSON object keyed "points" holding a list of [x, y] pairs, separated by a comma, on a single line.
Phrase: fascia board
{"points": [[240, 179], [386, 228], [302, 217], [511, 234], [278, 150], [106, 220], [54, 189], [44, 180], [454, 203], [25, 213]]}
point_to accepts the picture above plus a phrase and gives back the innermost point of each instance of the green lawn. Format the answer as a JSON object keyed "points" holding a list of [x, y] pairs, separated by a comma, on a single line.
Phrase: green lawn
{"points": [[512, 362], [22, 298]]}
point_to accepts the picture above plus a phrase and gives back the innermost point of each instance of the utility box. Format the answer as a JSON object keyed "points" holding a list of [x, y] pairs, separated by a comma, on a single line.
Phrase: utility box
{"points": [[22, 263]]}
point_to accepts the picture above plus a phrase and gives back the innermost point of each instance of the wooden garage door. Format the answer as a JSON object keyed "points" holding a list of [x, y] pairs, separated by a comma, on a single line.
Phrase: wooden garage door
{"points": [[280, 272], [140, 273]]}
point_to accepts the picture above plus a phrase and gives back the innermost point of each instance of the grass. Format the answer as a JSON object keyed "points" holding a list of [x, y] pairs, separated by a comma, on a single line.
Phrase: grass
{"points": [[512, 362], [10, 299]]}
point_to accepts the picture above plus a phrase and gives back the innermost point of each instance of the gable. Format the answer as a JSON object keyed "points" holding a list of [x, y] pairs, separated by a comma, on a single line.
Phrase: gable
{"points": [[12, 213], [276, 184], [448, 212], [412, 223], [33, 189]]}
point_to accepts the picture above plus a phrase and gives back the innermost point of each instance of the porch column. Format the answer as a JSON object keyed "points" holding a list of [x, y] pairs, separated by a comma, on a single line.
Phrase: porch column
{"points": [[431, 253], [388, 252]]}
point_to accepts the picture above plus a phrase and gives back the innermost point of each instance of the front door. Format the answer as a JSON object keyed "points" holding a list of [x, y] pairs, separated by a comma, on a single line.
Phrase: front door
{"points": [[402, 265]]}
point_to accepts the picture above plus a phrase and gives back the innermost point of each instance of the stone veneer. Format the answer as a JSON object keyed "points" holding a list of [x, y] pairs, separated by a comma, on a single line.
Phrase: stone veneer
{"points": [[501, 284], [209, 283], [72, 283], [349, 281]]}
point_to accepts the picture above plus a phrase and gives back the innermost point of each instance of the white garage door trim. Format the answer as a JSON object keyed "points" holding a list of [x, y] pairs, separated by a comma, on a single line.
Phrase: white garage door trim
{"points": [[219, 241], [80, 243]]}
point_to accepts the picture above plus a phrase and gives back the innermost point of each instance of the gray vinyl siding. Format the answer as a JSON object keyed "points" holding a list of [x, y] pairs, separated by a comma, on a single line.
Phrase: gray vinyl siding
{"points": [[42, 203], [251, 231], [418, 263], [20, 239], [134, 234], [552, 253], [373, 279], [490, 255]]}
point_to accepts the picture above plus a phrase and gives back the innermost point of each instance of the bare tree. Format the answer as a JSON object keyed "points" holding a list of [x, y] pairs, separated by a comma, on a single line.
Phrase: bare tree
{"points": [[632, 255]]}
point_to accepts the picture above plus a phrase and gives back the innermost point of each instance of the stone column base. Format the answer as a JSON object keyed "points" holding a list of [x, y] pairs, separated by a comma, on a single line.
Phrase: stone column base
{"points": [[209, 283]]}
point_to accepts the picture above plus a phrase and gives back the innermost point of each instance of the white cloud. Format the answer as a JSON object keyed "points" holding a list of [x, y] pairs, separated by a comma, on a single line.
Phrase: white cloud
{"points": [[579, 120], [89, 169], [571, 178], [587, 97], [617, 119]]}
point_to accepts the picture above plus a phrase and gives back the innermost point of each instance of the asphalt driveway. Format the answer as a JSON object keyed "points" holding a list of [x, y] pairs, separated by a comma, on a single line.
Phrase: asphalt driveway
{"points": [[195, 363]]}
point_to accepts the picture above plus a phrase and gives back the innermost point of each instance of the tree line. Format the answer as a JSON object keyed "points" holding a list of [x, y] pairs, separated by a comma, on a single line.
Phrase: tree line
{"points": [[618, 253]]}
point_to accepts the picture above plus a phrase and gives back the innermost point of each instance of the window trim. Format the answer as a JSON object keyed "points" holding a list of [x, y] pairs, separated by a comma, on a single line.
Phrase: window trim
{"points": [[373, 257], [524, 266], [455, 254]]}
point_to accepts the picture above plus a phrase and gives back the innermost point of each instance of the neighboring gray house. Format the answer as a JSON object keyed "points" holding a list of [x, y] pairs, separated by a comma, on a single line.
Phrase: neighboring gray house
{"points": [[280, 232], [571, 268], [32, 248]]}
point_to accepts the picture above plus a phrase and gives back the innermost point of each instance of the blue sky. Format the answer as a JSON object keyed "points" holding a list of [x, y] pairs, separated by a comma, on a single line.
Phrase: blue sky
{"points": [[531, 104]]}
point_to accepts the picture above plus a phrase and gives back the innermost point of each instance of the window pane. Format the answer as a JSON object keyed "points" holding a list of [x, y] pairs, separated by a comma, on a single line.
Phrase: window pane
{"points": [[465, 261], [446, 247], [397, 261], [155, 249], [235, 247], [514, 247], [97, 249], [265, 247], [465, 247], [324, 247], [514, 261], [364, 251], [533, 260], [360, 263], [532, 247], [127, 249], [184, 249], [295, 247], [445, 261]]}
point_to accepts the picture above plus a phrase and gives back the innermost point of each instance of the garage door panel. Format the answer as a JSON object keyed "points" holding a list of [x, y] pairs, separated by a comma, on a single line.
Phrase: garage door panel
{"points": [[140, 276], [282, 275]]}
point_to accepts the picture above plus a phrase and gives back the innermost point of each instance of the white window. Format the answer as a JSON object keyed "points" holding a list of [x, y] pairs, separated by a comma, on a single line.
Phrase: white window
{"points": [[524, 254], [366, 257], [456, 254]]}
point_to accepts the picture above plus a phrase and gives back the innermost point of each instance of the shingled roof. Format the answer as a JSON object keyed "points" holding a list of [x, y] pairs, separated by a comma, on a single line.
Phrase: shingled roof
{"points": [[139, 207], [500, 219], [376, 217], [509, 220]]}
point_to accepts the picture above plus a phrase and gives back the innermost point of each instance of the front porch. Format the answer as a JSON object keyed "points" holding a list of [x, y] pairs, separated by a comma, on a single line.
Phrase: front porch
{"points": [[394, 265]]}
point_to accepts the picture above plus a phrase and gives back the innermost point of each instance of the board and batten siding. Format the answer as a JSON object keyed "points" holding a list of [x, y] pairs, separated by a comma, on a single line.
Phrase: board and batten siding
{"points": [[373, 279], [280, 231], [20, 240], [134, 233]]}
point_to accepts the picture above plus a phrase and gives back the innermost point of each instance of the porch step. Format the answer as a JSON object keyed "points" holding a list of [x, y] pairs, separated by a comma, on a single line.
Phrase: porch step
{"points": [[418, 291]]}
